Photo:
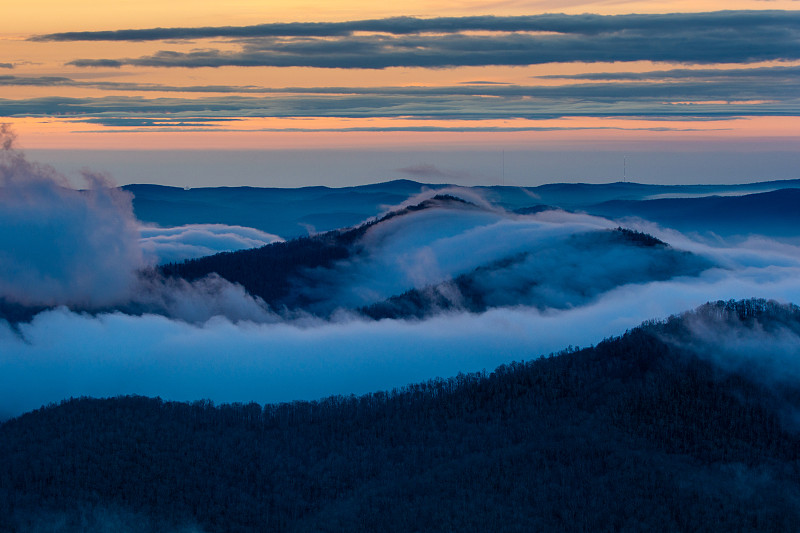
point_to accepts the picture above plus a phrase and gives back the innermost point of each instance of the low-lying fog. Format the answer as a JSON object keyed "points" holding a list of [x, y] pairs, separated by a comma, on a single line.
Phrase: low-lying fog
{"points": [[79, 256]]}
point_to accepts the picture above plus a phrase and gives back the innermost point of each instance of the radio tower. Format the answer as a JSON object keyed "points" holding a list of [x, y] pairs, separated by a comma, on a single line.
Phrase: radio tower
{"points": [[624, 169]]}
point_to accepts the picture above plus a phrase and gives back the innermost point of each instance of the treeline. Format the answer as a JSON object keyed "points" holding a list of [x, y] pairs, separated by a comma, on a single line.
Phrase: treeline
{"points": [[270, 271], [638, 237], [634, 434], [14, 313]]}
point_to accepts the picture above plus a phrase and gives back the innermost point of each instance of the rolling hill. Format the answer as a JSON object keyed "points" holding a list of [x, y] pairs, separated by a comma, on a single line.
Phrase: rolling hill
{"points": [[323, 273], [650, 430]]}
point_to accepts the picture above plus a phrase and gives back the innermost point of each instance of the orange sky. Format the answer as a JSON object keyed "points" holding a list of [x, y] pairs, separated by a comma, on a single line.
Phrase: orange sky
{"points": [[47, 130], [45, 16]]}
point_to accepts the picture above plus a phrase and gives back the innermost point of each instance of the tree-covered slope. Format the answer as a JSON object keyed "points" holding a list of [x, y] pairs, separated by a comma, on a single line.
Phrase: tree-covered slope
{"points": [[270, 272], [565, 274], [648, 431], [772, 213], [447, 254]]}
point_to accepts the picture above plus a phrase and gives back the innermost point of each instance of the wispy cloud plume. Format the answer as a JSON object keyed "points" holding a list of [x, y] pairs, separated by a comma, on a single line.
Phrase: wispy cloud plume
{"points": [[85, 249], [60, 245], [178, 243]]}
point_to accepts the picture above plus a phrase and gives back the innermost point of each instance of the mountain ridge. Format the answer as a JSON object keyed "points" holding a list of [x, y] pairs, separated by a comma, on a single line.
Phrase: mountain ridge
{"points": [[288, 212], [636, 432]]}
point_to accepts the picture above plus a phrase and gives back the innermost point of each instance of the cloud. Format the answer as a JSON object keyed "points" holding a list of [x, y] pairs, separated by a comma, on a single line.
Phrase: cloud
{"points": [[585, 24], [195, 302], [135, 125], [680, 94], [86, 250], [174, 244], [60, 245], [431, 247], [185, 123], [762, 351], [62, 354], [675, 85], [62, 81], [698, 38], [6, 65], [779, 73], [473, 258], [102, 63], [170, 112]]}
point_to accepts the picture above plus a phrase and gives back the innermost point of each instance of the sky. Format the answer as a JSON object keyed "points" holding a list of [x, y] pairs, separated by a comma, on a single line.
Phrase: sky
{"points": [[351, 92]]}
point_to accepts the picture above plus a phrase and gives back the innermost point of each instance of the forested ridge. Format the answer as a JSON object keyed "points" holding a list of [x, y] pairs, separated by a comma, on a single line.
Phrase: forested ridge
{"points": [[526, 278], [296, 275], [304, 275], [271, 271], [641, 432]]}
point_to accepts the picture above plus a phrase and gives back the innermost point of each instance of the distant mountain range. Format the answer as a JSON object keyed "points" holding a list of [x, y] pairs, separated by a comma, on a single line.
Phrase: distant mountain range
{"points": [[723, 209], [775, 213]]}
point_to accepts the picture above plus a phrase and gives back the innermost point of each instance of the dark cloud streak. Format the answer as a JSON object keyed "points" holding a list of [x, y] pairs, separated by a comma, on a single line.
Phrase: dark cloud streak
{"points": [[779, 74], [682, 94], [687, 103], [692, 38], [585, 24], [731, 83]]}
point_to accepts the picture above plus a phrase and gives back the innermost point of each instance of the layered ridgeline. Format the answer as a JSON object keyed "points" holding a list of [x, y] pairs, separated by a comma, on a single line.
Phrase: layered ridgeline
{"points": [[767, 208], [443, 253], [690, 424], [482, 249], [447, 254]]}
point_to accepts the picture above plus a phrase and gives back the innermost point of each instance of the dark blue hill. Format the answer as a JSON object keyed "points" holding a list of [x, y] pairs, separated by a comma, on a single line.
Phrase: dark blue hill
{"points": [[294, 212], [285, 212], [639, 433], [775, 213]]}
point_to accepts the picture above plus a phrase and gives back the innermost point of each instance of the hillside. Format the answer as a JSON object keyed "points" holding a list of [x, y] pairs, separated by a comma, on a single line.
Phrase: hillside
{"points": [[287, 212], [772, 213], [271, 272], [294, 213], [645, 431], [517, 260], [581, 268]]}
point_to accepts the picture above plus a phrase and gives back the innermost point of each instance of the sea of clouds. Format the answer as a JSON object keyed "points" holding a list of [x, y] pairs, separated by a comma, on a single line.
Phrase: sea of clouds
{"points": [[110, 329]]}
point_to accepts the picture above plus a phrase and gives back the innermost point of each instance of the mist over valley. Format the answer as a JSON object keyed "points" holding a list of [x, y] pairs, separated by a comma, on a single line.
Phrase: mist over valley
{"points": [[426, 332]]}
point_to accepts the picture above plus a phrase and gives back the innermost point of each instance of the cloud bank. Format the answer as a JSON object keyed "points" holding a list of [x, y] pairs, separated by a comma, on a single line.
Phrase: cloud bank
{"points": [[677, 94], [586, 24], [85, 249], [62, 354], [227, 350], [178, 243], [717, 37], [59, 245]]}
